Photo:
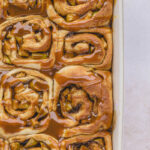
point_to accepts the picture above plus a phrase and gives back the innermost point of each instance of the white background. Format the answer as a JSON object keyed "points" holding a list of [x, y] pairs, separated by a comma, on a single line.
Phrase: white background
{"points": [[137, 74]]}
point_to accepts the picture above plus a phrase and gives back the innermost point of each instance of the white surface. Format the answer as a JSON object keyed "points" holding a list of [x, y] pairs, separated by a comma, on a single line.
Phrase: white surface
{"points": [[118, 75], [137, 75]]}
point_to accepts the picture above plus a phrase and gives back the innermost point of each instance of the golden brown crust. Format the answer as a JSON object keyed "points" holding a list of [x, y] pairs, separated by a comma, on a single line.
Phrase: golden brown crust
{"points": [[33, 142], [91, 47], [82, 100], [79, 14], [98, 141], [25, 102], [28, 42]]}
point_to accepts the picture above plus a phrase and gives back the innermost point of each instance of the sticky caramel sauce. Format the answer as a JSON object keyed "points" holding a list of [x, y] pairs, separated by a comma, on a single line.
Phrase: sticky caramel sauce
{"points": [[14, 124], [55, 127], [51, 72], [21, 12], [21, 29], [89, 79], [2, 20], [9, 11], [10, 126], [41, 86]]}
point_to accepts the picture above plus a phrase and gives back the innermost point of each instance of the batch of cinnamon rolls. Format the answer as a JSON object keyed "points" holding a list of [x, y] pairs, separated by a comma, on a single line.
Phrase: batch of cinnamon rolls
{"points": [[55, 74]]}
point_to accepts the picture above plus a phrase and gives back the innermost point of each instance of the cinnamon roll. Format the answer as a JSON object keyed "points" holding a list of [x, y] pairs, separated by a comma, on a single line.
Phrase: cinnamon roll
{"points": [[28, 42], [98, 141], [92, 47], [3, 144], [25, 102], [9, 8], [33, 142], [79, 14], [82, 100]]}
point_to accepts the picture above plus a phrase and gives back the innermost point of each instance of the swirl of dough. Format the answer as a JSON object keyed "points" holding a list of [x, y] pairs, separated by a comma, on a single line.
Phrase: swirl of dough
{"points": [[33, 142], [98, 141], [25, 102], [28, 42], [82, 100], [79, 14], [90, 47]]}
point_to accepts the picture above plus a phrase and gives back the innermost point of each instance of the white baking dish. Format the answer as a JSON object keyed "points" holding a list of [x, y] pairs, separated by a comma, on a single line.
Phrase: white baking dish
{"points": [[118, 74]]}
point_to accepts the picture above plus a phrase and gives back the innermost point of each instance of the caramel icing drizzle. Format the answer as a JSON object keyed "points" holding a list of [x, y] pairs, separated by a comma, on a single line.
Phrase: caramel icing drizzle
{"points": [[22, 7], [28, 42], [52, 94], [25, 102], [82, 100]]}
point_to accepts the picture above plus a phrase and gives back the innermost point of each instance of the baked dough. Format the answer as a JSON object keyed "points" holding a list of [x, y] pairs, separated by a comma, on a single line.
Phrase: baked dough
{"points": [[55, 74], [25, 102], [28, 42], [79, 14], [82, 100], [90, 47], [98, 141], [33, 142]]}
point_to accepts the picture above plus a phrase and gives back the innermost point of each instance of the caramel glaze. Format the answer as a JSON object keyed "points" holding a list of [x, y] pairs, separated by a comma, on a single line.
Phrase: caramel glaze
{"points": [[56, 124], [20, 30], [55, 127], [9, 126], [44, 56], [93, 83], [9, 11], [20, 11], [51, 72], [15, 124]]}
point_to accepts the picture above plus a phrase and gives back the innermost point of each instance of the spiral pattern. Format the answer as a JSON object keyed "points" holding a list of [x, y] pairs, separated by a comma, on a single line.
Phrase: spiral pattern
{"points": [[79, 14], [28, 42], [53, 95], [92, 47], [33, 142], [98, 141], [82, 100], [25, 101], [21, 7]]}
